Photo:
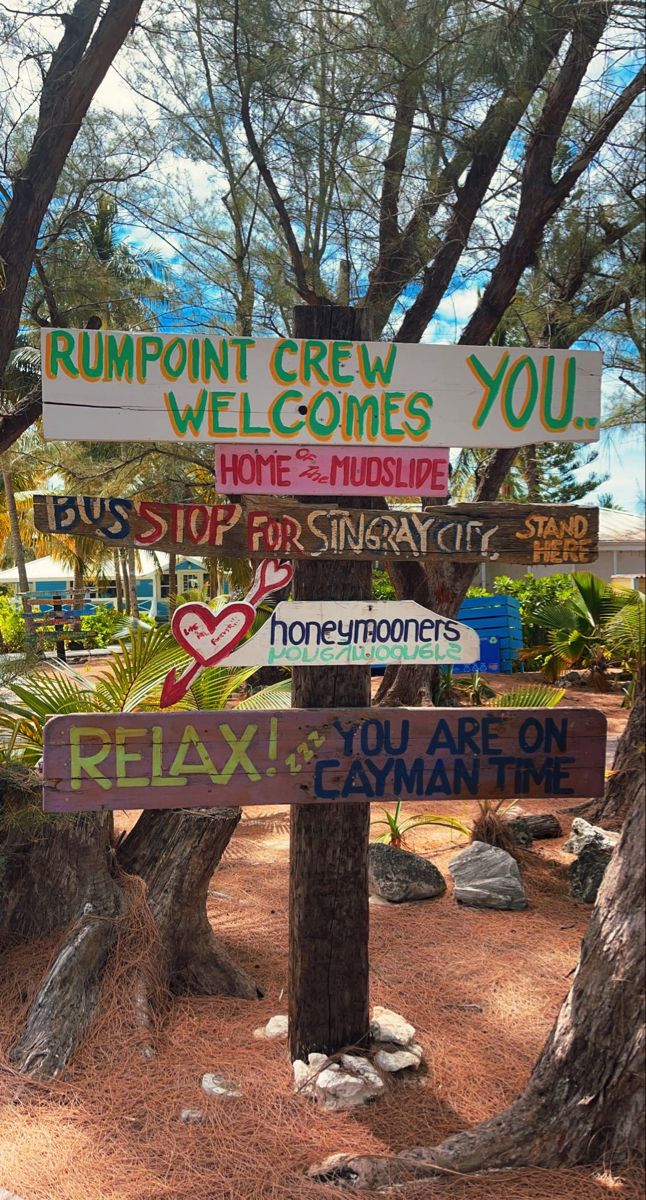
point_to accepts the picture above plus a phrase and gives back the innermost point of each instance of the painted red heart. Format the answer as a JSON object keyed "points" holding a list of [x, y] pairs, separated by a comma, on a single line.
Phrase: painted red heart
{"points": [[270, 576], [208, 636]]}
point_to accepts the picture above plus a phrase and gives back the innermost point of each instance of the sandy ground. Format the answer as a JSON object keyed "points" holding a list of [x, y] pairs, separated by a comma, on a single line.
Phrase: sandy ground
{"points": [[482, 989]]}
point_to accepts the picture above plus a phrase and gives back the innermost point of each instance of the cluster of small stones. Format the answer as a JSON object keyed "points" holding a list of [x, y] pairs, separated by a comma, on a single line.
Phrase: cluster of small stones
{"points": [[348, 1080]]}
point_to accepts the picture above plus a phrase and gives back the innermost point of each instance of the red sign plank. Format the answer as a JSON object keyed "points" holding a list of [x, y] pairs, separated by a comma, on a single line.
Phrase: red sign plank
{"points": [[304, 756]]}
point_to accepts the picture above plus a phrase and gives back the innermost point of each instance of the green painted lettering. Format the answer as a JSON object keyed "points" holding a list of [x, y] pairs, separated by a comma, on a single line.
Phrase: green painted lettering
{"points": [[191, 415], [491, 385]]}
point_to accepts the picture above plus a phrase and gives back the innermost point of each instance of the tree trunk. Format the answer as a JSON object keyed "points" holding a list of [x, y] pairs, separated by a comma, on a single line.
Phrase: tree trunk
{"points": [[627, 768], [328, 881], [60, 873], [132, 581], [214, 586], [56, 872], [78, 591], [117, 580], [172, 583], [538, 825], [176, 853], [17, 546], [585, 1099], [49, 866], [126, 583]]}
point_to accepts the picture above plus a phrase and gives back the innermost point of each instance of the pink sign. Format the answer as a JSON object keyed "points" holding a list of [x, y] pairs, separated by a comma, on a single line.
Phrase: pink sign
{"points": [[331, 470]]}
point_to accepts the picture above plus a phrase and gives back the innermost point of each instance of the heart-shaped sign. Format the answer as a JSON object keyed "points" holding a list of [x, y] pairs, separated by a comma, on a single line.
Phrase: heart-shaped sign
{"points": [[207, 636], [271, 576]]}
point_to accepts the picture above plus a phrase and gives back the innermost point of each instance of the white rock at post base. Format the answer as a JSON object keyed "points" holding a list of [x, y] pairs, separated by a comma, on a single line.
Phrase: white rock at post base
{"points": [[6, 1195], [389, 1026], [276, 1029], [337, 1086], [214, 1085], [399, 1060]]}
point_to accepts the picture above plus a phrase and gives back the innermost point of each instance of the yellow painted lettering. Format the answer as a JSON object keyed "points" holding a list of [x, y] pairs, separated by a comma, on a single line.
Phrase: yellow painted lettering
{"points": [[191, 739], [238, 756], [122, 757], [82, 762]]}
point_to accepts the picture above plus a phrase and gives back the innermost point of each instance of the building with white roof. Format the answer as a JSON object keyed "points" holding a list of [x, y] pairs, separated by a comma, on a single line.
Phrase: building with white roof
{"points": [[48, 577]]}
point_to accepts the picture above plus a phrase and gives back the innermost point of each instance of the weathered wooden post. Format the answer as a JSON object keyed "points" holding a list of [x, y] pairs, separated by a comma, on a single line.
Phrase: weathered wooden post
{"points": [[328, 873]]}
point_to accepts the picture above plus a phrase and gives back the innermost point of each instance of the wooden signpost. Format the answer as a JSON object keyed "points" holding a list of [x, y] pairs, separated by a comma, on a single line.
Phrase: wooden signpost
{"points": [[514, 533], [331, 470], [330, 413], [317, 633], [103, 385], [310, 756]]}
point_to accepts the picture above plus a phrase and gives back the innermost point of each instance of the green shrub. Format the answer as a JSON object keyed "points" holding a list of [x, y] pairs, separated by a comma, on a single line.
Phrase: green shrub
{"points": [[382, 588], [531, 593], [102, 625], [12, 627]]}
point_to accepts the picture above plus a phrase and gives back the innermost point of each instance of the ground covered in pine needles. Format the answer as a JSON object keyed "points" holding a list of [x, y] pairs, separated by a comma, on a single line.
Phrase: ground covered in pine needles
{"points": [[482, 989]]}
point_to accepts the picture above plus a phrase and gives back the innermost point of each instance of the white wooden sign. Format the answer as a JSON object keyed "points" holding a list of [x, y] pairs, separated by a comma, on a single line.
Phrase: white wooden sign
{"points": [[323, 633], [104, 385]]}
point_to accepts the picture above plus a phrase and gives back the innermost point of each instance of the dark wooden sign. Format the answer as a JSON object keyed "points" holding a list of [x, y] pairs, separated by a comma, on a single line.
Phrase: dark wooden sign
{"points": [[304, 756], [514, 533]]}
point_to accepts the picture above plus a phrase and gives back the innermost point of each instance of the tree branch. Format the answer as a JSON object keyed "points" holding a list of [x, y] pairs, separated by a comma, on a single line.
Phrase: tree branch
{"points": [[75, 72], [540, 199], [258, 155]]}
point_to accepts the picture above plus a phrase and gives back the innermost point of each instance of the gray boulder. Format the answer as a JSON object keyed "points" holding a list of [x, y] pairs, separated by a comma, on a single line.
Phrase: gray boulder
{"points": [[397, 875], [587, 871], [487, 877], [584, 836]]}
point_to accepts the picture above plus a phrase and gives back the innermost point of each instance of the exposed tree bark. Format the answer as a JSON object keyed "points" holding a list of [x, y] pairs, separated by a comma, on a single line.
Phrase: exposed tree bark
{"points": [[16, 544], [60, 873], [539, 825], [585, 1099], [76, 69], [64, 1005], [176, 853], [328, 904], [49, 866], [627, 768], [56, 872]]}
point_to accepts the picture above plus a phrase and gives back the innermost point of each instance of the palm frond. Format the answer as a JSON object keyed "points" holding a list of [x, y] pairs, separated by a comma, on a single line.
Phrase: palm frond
{"points": [[431, 819], [212, 689], [138, 672], [535, 695], [276, 695]]}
